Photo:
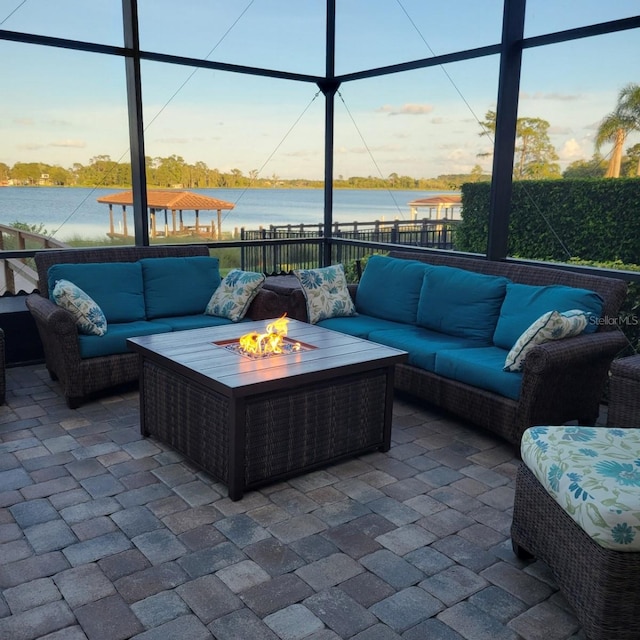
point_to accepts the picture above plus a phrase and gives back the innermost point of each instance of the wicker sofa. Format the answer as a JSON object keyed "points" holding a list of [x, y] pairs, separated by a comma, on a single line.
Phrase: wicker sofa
{"points": [[562, 380], [81, 376]]}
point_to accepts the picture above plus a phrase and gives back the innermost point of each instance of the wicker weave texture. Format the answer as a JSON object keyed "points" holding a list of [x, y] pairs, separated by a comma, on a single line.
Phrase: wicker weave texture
{"points": [[624, 393], [3, 379], [188, 417], [293, 430], [285, 432], [600, 584]]}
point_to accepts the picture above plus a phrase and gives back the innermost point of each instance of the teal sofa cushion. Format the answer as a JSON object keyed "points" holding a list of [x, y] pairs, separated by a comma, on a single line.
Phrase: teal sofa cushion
{"points": [[116, 287], [421, 344], [390, 288], [196, 321], [524, 304], [178, 286], [359, 326], [461, 303], [480, 367], [115, 339]]}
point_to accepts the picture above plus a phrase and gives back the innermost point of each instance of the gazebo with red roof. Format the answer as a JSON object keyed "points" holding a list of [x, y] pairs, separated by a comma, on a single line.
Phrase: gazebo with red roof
{"points": [[176, 202]]}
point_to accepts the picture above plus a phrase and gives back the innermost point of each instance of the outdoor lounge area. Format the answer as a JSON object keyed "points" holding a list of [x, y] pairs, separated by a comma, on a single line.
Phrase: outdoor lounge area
{"points": [[449, 446], [106, 535]]}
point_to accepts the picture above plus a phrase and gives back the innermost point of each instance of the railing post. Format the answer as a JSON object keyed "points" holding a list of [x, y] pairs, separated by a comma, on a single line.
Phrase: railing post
{"points": [[243, 261]]}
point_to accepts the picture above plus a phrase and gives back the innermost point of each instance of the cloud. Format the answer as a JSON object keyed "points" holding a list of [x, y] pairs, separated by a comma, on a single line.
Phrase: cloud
{"points": [[407, 109], [554, 95], [571, 150], [560, 130], [25, 122], [74, 144]]}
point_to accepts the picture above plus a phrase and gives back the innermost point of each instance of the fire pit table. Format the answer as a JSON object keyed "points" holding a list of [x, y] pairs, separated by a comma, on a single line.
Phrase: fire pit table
{"points": [[248, 421]]}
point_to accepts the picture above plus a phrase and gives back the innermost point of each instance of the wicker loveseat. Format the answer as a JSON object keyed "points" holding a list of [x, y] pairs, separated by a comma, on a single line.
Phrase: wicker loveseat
{"points": [[562, 380], [81, 376]]}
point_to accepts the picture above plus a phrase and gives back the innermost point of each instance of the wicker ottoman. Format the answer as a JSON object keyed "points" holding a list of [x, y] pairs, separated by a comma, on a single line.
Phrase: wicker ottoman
{"points": [[624, 393], [561, 491], [2, 369]]}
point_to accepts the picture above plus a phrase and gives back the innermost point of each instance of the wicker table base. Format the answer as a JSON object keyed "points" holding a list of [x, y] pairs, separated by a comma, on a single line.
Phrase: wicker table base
{"points": [[285, 424]]}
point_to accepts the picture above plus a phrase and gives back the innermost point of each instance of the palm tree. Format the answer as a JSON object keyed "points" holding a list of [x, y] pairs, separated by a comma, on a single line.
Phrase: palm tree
{"points": [[616, 126]]}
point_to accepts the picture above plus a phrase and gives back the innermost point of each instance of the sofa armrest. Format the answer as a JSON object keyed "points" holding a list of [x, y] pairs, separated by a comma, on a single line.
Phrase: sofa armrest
{"points": [[574, 352], [49, 315], [58, 332], [565, 379]]}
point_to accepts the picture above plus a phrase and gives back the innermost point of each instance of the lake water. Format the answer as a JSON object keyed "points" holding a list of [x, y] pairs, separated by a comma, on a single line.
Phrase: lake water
{"points": [[71, 212]]}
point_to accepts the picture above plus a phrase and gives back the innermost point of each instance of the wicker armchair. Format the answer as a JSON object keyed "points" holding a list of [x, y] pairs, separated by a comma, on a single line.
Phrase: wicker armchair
{"points": [[80, 377]]}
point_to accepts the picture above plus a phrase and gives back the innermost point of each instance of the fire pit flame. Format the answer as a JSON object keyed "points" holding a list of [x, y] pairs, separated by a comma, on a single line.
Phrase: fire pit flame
{"points": [[271, 342]]}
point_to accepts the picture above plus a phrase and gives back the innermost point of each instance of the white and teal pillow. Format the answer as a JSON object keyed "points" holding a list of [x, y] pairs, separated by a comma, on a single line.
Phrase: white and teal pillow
{"points": [[234, 294], [552, 325], [88, 315], [326, 292]]}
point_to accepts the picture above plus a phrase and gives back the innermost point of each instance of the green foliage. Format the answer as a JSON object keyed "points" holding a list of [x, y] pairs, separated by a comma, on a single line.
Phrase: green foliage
{"points": [[31, 228], [559, 220]]}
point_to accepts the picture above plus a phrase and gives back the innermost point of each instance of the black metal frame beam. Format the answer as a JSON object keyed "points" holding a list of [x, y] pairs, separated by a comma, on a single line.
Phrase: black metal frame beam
{"points": [[136, 123]]}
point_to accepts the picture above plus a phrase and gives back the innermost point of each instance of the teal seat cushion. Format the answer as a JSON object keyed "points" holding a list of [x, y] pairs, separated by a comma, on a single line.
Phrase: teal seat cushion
{"points": [[178, 286], [359, 326], [461, 303], [524, 304], [390, 288], [421, 344], [115, 339], [197, 321], [479, 367], [116, 287]]}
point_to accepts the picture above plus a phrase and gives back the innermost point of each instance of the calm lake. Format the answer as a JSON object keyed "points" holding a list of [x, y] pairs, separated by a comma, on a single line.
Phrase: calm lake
{"points": [[71, 212]]}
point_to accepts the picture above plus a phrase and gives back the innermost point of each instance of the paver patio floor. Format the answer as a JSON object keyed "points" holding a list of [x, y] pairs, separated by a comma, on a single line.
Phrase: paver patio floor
{"points": [[108, 536]]}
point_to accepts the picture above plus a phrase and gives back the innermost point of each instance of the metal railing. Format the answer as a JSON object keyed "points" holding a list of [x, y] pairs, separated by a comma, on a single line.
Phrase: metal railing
{"points": [[275, 255]]}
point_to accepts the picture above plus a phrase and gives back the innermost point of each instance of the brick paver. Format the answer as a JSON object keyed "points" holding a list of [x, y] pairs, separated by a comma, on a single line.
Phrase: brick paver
{"points": [[105, 535]]}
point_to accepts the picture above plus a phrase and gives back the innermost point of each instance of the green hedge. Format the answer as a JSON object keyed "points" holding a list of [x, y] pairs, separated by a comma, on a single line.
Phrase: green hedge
{"points": [[560, 219]]}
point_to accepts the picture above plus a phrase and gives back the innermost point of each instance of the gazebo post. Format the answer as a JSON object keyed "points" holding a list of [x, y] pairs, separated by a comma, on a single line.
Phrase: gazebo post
{"points": [[219, 224], [153, 223], [173, 220], [124, 221], [111, 229], [197, 222]]}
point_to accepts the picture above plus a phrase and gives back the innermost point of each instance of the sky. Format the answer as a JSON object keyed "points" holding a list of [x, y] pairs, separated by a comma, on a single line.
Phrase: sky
{"points": [[62, 107]]}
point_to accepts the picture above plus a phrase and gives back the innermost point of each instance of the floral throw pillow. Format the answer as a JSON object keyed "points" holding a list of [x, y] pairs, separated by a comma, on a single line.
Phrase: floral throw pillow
{"points": [[550, 326], [234, 294], [88, 315], [326, 292]]}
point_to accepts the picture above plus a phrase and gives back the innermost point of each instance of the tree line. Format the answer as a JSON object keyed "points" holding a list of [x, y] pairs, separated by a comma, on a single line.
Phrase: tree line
{"points": [[175, 172]]}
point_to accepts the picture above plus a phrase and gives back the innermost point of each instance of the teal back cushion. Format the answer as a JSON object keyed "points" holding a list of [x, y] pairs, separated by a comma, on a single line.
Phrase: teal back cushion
{"points": [[116, 287], [524, 304], [461, 303], [390, 288], [178, 286]]}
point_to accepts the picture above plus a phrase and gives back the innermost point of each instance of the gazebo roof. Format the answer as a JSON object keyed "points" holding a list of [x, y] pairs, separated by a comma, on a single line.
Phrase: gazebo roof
{"points": [[436, 200], [171, 199]]}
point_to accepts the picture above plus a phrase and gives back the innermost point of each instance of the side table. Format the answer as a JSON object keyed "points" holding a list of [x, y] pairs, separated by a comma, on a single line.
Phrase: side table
{"points": [[624, 393]]}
